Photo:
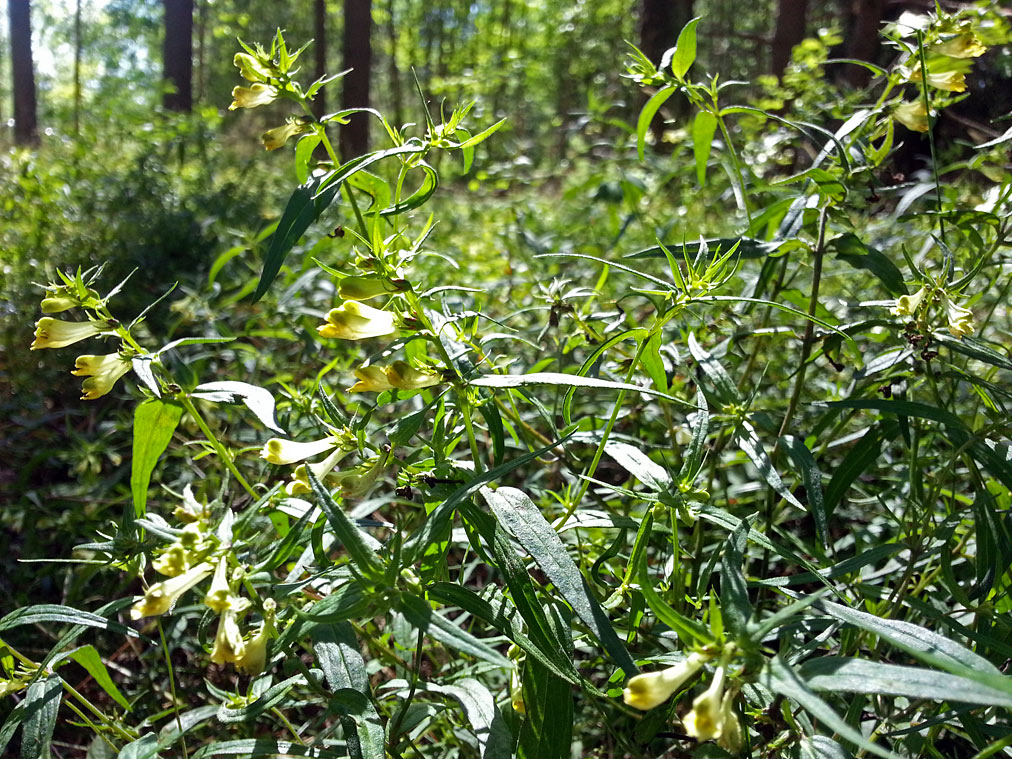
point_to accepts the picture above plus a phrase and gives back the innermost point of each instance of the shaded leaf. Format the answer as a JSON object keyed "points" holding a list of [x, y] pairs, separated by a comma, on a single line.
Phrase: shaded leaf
{"points": [[154, 423]]}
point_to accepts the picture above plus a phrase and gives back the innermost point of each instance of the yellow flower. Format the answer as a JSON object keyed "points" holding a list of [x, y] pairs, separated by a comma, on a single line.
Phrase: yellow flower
{"points": [[654, 688], [251, 97], [217, 595], [363, 288], [950, 81], [371, 379], [172, 562], [357, 321], [960, 46], [402, 376], [517, 693], [960, 319], [102, 372], [912, 115], [277, 137], [190, 510], [160, 597], [281, 452], [252, 68], [254, 657], [229, 645], [730, 738], [907, 305], [56, 333], [706, 720], [54, 304]]}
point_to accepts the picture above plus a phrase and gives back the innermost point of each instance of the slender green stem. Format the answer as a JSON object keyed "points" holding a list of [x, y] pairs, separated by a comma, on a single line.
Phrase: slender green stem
{"points": [[220, 449], [172, 686], [585, 485], [926, 99], [808, 338], [734, 162], [288, 725]]}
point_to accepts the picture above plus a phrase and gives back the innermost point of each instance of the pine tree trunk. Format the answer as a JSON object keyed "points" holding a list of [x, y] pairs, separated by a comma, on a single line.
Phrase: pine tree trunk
{"points": [[25, 107], [862, 39], [177, 55], [357, 53], [320, 55], [790, 31]]}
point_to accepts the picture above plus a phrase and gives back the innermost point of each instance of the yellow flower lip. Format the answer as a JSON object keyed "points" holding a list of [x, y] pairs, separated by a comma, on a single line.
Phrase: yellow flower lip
{"points": [[283, 452], [253, 96], [371, 379], [403, 376], [357, 321], [912, 115], [960, 46], [160, 597], [960, 319], [217, 595], [229, 645], [102, 371], [278, 136], [57, 333], [706, 720], [907, 305], [652, 689]]}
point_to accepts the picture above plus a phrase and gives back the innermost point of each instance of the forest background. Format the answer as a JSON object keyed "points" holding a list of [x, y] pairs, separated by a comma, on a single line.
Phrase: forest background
{"points": [[119, 148]]}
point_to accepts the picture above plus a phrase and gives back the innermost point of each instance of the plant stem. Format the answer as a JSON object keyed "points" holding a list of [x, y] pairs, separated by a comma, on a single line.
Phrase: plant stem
{"points": [[220, 449], [172, 687]]}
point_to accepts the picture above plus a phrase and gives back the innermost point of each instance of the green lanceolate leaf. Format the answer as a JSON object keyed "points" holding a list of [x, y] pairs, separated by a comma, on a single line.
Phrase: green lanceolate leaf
{"points": [[734, 602], [852, 250], [780, 678], [256, 399], [725, 390], [42, 702], [749, 442], [268, 699], [811, 477], [566, 380], [647, 116], [89, 659], [490, 730], [304, 207], [362, 727], [864, 453], [685, 49], [154, 422], [639, 465], [418, 612], [547, 730], [264, 748], [689, 631], [518, 514], [145, 747], [704, 127], [839, 674], [46, 614], [337, 653], [361, 553]]}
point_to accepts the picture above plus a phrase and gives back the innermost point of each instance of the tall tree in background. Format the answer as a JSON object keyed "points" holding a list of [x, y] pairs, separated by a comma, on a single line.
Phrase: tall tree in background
{"points": [[177, 54], [320, 54], [25, 118], [357, 52], [791, 19], [862, 38]]}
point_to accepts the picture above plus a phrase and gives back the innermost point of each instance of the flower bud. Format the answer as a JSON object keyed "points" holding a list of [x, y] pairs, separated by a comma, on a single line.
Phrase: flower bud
{"points": [[160, 597], [363, 288], [281, 452], [654, 688]]}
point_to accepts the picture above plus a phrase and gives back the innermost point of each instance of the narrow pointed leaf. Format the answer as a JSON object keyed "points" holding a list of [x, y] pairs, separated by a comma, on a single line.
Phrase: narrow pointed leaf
{"points": [[155, 421]]}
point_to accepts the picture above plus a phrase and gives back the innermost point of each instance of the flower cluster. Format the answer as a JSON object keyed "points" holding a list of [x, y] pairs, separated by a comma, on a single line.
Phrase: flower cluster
{"points": [[917, 307]]}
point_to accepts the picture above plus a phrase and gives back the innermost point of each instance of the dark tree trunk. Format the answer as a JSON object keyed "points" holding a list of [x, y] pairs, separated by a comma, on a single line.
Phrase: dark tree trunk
{"points": [[357, 53], [660, 23], [202, 11], [77, 68], [395, 75], [862, 39], [177, 55], [25, 108], [320, 55], [792, 16]]}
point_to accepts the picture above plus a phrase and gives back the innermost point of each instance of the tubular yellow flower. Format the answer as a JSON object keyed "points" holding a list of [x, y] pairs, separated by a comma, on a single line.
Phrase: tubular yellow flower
{"points": [[160, 597], [251, 97], [950, 81], [229, 645], [56, 333], [55, 304], [517, 693], [961, 46], [907, 305], [254, 657], [102, 371], [706, 720], [912, 115], [278, 451], [300, 480], [371, 379], [172, 562], [402, 376], [357, 321], [960, 319], [277, 137], [730, 737], [217, 595], [251, 68], [363, 288], [654, 688]]}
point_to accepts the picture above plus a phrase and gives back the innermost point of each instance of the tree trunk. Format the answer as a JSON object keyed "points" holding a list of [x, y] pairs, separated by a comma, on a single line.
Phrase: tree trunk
{"points": [[77, 68], [319, 104], [394, 73], [862, 39], [177, 55], [357, 53], [25, 108], [790, 30], [202, 11]]}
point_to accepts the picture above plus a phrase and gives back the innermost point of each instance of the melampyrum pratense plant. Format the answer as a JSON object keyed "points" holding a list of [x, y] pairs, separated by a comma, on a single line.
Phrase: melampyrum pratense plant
{"points": [[373, 586]]}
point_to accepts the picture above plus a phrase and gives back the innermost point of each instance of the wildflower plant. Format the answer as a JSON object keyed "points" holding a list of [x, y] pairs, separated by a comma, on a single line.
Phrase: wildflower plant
{"points": [[449, 529]]}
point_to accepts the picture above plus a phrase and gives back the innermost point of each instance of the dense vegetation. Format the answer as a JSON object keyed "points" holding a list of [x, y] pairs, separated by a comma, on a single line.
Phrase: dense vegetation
{"points": [[665, 416]]}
